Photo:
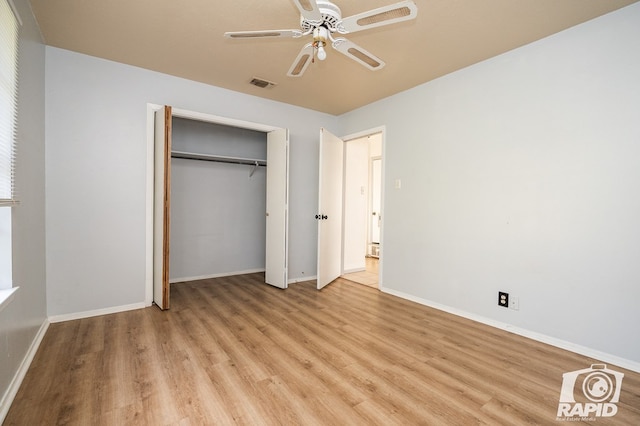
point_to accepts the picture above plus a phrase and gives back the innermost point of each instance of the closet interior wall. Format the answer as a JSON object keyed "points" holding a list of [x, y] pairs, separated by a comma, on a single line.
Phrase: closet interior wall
{"points": [[217, 209]]}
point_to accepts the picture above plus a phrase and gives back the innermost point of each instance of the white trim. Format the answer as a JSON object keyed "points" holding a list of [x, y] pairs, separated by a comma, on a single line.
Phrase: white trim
{"points": [[150, 177], [228, 274], [539, 337], [15, 11], [302, 279], [6, 295], [206, 277], [12, 390], [209, 118], [96, 312], [353, 270], [362, 134], [382, 130], [192, 115]]}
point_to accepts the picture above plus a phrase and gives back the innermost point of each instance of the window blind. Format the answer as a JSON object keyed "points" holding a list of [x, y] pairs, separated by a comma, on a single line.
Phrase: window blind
{"points": [[8, 100]]}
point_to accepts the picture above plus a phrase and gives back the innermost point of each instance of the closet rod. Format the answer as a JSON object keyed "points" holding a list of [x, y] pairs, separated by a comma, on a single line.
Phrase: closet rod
{"points": [[218, 158]]}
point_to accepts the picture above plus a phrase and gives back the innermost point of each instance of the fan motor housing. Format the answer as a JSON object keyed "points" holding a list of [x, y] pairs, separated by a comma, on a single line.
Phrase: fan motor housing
{"points": [[331, 15]]}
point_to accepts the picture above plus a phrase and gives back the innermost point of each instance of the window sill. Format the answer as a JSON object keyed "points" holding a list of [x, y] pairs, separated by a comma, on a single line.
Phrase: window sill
{"points": [[6, 296]]}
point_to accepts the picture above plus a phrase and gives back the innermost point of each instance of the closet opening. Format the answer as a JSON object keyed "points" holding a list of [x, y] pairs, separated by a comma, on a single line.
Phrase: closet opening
{"points": [[218, 198]]}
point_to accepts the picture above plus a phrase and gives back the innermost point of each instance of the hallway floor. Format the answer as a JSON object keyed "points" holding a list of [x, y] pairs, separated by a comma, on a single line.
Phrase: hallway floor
{"points": [[368, 277]]}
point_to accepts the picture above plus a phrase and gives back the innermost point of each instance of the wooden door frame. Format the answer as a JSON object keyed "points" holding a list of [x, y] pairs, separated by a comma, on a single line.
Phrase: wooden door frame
{"points": [[149, 201], [162, 206]]}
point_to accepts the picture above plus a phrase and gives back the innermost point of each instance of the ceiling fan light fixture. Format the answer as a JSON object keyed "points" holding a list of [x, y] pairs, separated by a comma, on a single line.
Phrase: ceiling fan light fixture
{"points": [[322, 54], [320, 35]]}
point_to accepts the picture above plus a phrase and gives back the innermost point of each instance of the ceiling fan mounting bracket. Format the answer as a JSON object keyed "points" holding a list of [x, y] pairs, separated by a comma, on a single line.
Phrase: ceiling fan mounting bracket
{"points": [[331, 17]]}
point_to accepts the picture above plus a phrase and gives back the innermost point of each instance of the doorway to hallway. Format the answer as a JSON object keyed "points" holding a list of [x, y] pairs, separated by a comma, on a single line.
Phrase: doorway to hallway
{"points": [[350, 190], [368, 277], [362, 218]]}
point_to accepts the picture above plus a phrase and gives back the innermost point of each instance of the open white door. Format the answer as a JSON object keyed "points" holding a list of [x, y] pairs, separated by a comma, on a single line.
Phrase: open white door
{"points": [[277, 208], [330, 208], [376, 200], [161, 204]]}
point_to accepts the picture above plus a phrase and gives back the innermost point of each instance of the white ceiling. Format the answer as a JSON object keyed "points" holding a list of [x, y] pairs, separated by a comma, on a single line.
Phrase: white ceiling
{"points": [[185, 39]]}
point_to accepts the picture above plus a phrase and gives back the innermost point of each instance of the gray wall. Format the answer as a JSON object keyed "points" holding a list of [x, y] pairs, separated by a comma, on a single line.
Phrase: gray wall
{"points": [[96, 131], [26, 313], [218, 224], [521, 174]]}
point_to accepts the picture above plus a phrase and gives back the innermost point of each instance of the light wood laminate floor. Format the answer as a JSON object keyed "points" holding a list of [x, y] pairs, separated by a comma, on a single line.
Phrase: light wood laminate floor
{"points": [[235, 351], [368, 277]]}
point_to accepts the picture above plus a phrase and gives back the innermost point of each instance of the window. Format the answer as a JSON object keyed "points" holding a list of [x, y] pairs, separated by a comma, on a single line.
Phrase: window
{"points": [[8, 99], [9, 24]]}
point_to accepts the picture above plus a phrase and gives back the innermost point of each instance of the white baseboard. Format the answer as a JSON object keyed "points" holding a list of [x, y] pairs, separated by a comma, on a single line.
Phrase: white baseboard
{"points": [[301, 279], [539, 337], [229, 274], [206, 277], [12, 390], [96, 312], [352, 270]]}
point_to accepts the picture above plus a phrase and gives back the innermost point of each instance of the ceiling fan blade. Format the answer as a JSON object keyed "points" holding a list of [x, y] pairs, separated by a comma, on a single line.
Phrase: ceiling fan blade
{"points": [[302, 61], [309, 10], [265, 33], [358, 54], [385, 15]]}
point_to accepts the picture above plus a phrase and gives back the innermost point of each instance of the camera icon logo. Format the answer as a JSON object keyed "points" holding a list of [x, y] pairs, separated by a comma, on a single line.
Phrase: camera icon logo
{"points": [[590, 392]]}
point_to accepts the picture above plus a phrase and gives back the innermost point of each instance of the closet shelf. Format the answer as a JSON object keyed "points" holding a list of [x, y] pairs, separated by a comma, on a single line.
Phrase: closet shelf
{"points": [[218, 158]]}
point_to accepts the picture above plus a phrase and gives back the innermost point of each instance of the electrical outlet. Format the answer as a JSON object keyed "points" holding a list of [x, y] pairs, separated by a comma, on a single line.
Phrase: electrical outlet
{"points": [[503, 299], [514, 303]]}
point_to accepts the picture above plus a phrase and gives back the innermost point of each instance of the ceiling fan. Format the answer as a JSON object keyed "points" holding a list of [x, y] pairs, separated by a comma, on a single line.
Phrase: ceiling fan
{"points": [[322, 20]]}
